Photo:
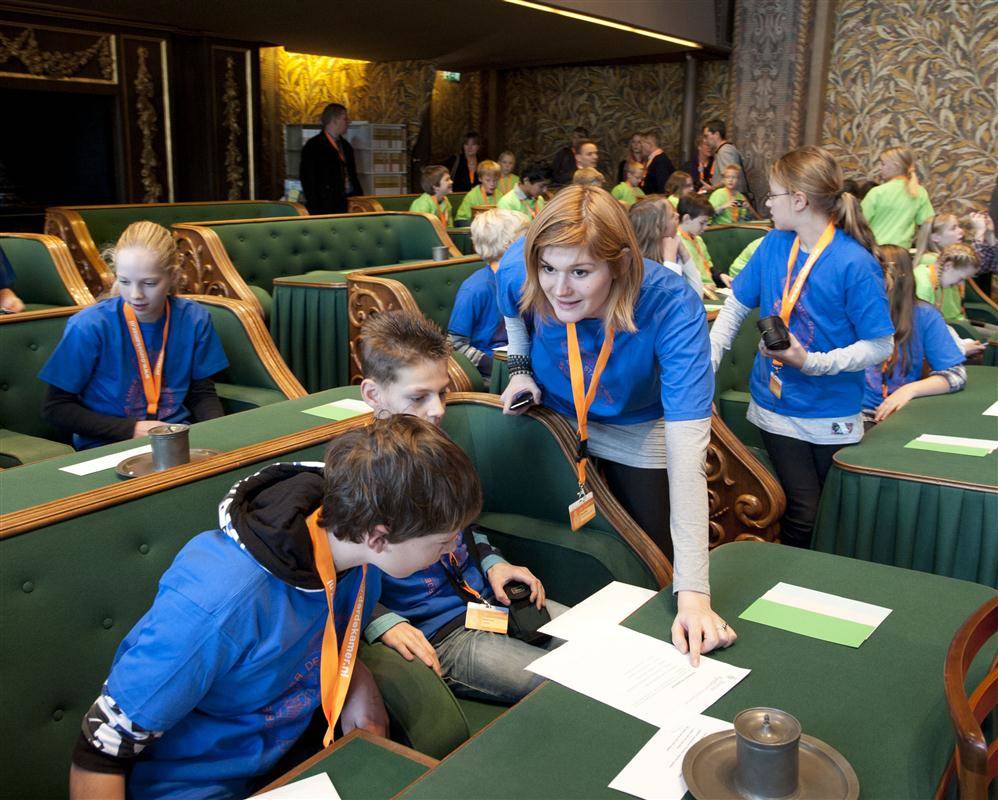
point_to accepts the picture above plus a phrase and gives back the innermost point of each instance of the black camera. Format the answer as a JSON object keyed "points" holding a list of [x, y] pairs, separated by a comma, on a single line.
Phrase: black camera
{"points": [[524, 616], [774, 333]]}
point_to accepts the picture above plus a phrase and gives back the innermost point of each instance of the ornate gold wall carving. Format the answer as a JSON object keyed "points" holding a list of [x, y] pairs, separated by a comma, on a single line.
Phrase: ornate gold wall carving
{"points": [[64, 54], [543, 105], [454, 112], [923, 73], [146, 119], [232, 115], [395, 91]]}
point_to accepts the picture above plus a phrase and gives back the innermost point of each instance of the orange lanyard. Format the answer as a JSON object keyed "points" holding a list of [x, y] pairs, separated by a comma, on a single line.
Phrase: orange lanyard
{"points": [[531, 206], [460, 581], [471, 172], [152, 377], [336, 147], [506, 184], [485, 197], [703, 256], [584, 399], [335, 668], [441, 209], [734, 210], [792, 294]]}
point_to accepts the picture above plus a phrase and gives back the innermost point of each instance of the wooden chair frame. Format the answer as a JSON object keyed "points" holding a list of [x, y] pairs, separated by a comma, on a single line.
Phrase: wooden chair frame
{"points": [[63, 260], [981, 294], [208, 269], [370, 203], [260, 339], [66, 223], [368, 292], [974, 762]]}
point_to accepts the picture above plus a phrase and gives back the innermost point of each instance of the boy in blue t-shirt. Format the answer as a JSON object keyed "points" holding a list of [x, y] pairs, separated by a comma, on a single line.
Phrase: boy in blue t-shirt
{"points": [[476, 327], [404, 360], [221, 676]]}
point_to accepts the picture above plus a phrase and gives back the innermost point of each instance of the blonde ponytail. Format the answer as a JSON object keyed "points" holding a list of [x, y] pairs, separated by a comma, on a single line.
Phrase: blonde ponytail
{"points": [[848, 215], [905, 159]]}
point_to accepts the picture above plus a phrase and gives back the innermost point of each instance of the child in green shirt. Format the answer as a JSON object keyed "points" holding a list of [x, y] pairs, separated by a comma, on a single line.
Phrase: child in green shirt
{"points": [[943, 231], [484, 194], [894, 208], [740, 261], [436, 183], [679, 183], [507, 179], [694, 216], [527, 196], [628, 191], [730, 205]]}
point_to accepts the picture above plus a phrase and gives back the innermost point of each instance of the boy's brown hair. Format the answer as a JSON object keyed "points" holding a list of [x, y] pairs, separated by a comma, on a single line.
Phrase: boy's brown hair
{"points": [[488, 167], [694, 205], [400, 472], [393, 340], [430, 177]]}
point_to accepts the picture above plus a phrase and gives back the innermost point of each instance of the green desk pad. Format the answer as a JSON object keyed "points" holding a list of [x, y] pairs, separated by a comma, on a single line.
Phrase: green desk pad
{"points": [[362, 770], [882, 705], [960, 414], [43, 482]]}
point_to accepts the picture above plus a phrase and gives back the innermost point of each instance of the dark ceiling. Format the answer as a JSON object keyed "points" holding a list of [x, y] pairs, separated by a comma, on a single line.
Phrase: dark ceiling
{"points": [[453, 34]]}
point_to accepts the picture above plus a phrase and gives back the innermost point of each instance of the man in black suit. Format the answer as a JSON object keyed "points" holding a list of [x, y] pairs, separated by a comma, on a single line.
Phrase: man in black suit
{"points": [[328, 170], [658, 167]]}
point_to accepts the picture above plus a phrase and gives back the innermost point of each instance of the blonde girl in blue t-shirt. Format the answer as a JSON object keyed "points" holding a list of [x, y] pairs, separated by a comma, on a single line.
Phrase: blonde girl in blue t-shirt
{"points": [[807, 400]]}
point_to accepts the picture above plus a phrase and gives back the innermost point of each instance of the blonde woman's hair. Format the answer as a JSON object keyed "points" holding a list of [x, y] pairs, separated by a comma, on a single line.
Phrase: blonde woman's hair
{"points": [[488, 168], [588, 218], [155, 238], [813, 171], [923, 242], [588, 176], [493, 231], [905, 159]]}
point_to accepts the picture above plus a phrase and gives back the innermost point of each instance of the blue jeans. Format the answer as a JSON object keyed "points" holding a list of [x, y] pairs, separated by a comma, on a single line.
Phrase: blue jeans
{"points": [[480, 665]]}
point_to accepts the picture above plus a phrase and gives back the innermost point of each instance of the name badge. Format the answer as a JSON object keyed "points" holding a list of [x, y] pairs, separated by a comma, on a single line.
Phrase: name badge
{"points": [[481, 617], [775, 385], [582, 511]]}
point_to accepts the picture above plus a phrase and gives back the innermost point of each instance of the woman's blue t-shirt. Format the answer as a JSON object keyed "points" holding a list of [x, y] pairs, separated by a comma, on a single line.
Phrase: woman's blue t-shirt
{"points": [[95, 360], [226, 662], [843, 301], [661, 370], [476, 314], [929, 340]]}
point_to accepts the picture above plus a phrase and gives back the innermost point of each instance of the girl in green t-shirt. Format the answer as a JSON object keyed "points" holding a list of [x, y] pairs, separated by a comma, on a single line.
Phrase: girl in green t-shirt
{"points": [[900, 203], [942, 231], [629, 190], [730, 205], [436, 183], [507, 178], [679, 183]]}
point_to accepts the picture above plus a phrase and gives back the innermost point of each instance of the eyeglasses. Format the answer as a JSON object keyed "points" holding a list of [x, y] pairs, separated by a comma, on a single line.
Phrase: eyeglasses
{"points": [[770, 196]]}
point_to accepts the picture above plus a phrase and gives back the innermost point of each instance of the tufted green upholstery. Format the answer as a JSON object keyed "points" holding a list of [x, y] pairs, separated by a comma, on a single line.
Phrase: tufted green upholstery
{"points": [[401, 202], [725, 242], [37, 279], [462, 240], [26, 344], [106, 223], [264, 250], [62, 618], [435, 288], [731, 383]]}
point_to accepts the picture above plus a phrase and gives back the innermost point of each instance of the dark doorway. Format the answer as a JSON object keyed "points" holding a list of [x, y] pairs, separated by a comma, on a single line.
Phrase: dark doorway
{"points": [[56, 148]]}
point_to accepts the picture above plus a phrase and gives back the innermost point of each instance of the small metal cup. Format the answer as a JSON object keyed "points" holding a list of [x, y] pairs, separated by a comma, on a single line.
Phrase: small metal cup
{"points": [[171, 446], [441, 253], [767, 748]]}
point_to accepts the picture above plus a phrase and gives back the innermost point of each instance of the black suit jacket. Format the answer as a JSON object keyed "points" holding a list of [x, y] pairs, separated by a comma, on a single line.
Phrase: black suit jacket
{"points": [[656, 174], [322, 175], [457, 166]]}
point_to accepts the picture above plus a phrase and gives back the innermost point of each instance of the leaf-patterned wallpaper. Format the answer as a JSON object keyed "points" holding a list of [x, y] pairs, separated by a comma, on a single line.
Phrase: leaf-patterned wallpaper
{"points": [[454, 112], [922, 73], [713, 100], [390, 91]]}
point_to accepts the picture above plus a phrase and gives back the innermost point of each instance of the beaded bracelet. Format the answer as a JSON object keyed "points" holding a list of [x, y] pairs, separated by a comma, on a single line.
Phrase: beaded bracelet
{"points": [[519, 365]]}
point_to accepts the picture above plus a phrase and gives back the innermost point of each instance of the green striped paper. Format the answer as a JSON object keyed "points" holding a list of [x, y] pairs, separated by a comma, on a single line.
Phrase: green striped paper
{"points": [[808, 623]]}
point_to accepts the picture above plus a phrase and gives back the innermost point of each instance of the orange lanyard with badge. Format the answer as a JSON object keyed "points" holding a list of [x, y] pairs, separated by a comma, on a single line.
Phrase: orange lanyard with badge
{"points": [[441, 210], [335, 668], [791, 294], [152, 377], [584, 508], [481, 615], [695, 241]]}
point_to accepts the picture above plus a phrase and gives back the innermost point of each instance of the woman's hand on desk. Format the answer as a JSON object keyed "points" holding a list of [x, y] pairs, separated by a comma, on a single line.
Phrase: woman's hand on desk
{"points": [[697, 628]]}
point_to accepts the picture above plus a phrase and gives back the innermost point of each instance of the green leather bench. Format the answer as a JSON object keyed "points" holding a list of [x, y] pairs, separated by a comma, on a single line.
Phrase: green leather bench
{"points": [[725, 242], [45, 276], [394, 202], [60, 609], [26, 341], [87, 230], [731, 384], [429, 289]]}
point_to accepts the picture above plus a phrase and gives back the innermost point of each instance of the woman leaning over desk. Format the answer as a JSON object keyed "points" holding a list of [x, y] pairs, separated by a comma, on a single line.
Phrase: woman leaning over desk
{"points": [[619, 346]]}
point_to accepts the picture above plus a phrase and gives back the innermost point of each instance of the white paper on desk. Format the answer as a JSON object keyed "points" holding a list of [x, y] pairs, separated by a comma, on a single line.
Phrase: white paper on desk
{"points": [[992, 410], [613, 603], [104, 462], [637, 674], [656, 772], [318, 787], [962, 441]]}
